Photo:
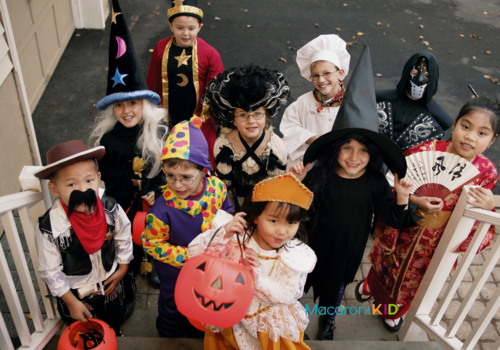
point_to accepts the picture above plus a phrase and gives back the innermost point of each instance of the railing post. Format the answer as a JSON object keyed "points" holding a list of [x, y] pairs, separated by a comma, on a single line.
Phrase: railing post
{"points": [[9, 290]]}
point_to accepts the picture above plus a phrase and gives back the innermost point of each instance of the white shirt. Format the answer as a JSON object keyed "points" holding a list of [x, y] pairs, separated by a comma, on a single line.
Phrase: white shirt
{"points": [[50, 260], [279, 283], [301, 121]]}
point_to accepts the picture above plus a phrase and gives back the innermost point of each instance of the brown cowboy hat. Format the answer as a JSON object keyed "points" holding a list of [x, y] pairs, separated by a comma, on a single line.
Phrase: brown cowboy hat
{"points": [[66, 154]]}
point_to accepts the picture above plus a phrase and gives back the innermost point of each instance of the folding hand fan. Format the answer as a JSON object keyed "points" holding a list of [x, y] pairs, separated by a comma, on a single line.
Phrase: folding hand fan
{"points": [[436, 174]]}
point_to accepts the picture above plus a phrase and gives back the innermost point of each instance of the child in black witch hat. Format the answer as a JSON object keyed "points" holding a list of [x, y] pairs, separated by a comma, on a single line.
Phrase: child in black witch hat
{"points": [[181, 67], [132, 131], [83, 241], [349, 185]]}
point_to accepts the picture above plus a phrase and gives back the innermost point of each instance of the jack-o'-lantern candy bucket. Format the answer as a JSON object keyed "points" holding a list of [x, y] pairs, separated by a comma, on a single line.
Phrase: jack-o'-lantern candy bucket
{"points": [[214, 291], [93, 334]]}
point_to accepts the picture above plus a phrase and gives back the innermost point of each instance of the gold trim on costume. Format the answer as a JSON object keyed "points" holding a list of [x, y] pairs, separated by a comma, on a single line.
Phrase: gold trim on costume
{"points": [[413, 246], [196, 82], [164, 76], [433, 221], [184, 9]]}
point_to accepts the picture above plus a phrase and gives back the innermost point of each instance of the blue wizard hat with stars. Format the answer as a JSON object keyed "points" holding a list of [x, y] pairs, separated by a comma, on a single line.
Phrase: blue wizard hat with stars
{"points": [[125, 79]]}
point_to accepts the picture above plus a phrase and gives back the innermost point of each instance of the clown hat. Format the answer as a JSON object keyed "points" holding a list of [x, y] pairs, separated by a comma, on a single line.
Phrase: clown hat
{"points": [[324, 48], [184, 8], [66, 154], [358, 115], [186, 141], [125, 79]]}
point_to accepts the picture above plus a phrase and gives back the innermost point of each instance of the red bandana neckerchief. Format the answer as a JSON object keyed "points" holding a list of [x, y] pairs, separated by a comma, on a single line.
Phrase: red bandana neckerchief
{"points": [[335, 102], [90, 229]]}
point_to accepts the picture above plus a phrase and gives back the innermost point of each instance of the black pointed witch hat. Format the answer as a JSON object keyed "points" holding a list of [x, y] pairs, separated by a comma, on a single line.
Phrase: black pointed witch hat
{"points": [[358, 115], [125, 79]]}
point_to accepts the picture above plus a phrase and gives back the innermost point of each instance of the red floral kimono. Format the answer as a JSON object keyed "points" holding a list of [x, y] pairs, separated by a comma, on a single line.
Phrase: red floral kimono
{"points": [[401, 257]]}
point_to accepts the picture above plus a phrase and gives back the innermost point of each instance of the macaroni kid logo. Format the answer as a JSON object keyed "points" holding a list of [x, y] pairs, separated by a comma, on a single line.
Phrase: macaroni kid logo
{"points": [[381, 309]]}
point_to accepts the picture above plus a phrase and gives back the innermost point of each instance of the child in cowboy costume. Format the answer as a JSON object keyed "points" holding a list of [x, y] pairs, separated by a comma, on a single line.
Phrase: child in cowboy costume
{"points": [[84, 242]]}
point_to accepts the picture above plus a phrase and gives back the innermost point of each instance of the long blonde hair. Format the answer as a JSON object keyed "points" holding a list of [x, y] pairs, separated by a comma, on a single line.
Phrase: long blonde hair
{"points": [[151, 139]]}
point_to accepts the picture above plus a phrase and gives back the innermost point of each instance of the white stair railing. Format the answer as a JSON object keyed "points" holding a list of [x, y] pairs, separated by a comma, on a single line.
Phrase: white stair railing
{"points": [[419, 314], [44, 329]]}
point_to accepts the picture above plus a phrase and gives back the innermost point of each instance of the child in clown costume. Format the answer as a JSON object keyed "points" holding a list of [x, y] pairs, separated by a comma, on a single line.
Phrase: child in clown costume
{"points": [[190, 200]]}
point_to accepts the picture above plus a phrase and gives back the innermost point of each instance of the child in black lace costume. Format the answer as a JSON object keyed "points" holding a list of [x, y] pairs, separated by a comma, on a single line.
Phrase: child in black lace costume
{"points": [[243, 101]]}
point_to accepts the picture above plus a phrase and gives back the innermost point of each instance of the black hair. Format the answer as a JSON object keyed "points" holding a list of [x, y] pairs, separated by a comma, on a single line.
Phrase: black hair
{"points": [[171, 19], [327, 163], [483, 104], [53, 176], [248, 88], [293, 214]]}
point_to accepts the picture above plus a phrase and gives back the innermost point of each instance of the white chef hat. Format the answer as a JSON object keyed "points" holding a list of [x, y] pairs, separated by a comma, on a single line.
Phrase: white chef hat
{"points": [[324, 48]]}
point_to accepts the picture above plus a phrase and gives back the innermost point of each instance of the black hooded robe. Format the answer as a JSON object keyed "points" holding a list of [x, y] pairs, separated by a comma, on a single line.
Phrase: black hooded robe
{"points": [[410, 122]]}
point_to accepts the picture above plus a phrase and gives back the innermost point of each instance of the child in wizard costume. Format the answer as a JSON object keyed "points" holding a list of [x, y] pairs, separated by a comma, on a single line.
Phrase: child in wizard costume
{"points": [[189, 202], [131, 129], [182, 65]]}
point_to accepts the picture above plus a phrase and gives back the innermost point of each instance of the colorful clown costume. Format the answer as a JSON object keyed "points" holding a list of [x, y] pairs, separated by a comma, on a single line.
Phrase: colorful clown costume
{"points": [[173, 223]]}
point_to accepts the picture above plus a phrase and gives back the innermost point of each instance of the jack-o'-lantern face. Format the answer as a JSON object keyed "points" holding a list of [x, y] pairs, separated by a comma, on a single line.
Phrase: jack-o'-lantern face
{"points": [[214, 291], [93, 334]]}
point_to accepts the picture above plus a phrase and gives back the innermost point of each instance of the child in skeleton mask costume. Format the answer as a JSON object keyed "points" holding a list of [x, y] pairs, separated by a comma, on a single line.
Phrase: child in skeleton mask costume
{"points": [[408, 115], [84, 242]]}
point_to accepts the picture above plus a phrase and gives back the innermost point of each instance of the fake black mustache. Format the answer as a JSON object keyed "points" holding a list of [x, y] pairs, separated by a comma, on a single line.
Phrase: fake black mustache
{"points": [[76, 198]]}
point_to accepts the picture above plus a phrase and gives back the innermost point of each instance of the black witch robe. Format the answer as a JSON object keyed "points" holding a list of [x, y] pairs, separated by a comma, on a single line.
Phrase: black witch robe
{"points": [[117, 173], [410, 122], [339, 228]]}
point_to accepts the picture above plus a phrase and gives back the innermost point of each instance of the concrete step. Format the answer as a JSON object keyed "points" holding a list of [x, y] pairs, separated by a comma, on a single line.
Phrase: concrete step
{"points": [[349, 327], [139, 343], [358, 331]]}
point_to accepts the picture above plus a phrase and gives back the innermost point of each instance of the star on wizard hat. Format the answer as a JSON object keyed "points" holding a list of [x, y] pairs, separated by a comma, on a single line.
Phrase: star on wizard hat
{"points": [[184, 8], [125, 79], [358, 115]]}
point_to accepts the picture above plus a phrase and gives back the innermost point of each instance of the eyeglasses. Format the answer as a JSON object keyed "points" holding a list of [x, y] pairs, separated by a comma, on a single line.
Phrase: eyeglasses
{"points": [[184, 181], [327, 75], [243, 117]]}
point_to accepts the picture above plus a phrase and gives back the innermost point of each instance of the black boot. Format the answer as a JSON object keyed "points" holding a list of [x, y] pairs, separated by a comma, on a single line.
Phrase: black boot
{"points": [[153, 279], [129, 309], [326, 328]]}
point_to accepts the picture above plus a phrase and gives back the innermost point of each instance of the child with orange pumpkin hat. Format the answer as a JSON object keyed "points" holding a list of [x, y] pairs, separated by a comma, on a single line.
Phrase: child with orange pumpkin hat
{"points": [[275, 254], [189, 202]]}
